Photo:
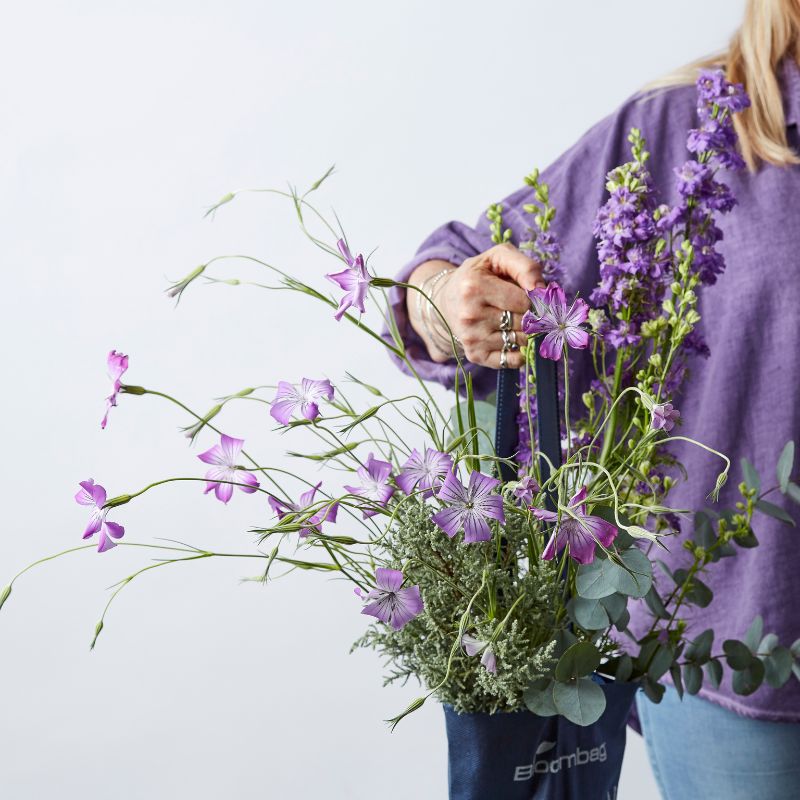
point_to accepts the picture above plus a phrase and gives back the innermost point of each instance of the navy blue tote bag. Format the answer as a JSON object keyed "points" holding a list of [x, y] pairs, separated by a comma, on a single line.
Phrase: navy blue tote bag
{"points": [[519, 755]]}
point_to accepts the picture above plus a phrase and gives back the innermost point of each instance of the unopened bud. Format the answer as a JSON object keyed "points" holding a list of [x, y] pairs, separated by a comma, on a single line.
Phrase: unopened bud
{"points": [[4, 595]]}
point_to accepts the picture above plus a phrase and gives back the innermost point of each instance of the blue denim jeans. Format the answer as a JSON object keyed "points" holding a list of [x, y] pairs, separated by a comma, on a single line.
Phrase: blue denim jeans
{"points": [[700, 750]]}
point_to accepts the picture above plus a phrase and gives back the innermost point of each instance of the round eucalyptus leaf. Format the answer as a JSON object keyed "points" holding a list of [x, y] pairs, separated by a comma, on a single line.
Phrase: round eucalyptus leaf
{"points": [[737, 654], [746, 681], [677, 680], [653, 690], [768, 644], [582, 702], [589, 614], [785, 464], [699, 650], [713, 670], [661, 662], [563, 639], [656, 604], [692, 678], [636, 577], [700, 594], [615, 605], [754, 633], [538, 697], [778, 666], [596, 580], [579, 660]]}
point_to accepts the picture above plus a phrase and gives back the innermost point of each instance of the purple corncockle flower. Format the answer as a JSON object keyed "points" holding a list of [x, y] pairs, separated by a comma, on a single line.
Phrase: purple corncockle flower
{"points": [[424, 472], [304, 397], [664, 417], [354, 280], [525, 490], [577, 529], [390, 603], [225, 471], [375, 486], [94, 495], [551, 316], [313, 524], [468, 507], [473, 646], [117, 364]]}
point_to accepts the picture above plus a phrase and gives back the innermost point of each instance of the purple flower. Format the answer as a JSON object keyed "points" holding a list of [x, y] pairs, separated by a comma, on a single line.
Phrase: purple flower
{"points": [[473, 646], [468, 507], [117, 365], [525, 490], [224, 470], [354, 280], [94, 495], [664, 417], [375, 486], [390, 603], [424, 472], [304, 397], [313, 523], [560, 324], [577, 529]]}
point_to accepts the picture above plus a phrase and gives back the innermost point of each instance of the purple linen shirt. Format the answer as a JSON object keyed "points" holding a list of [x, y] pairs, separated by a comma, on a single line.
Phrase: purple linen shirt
{"points": [[740, 401]]}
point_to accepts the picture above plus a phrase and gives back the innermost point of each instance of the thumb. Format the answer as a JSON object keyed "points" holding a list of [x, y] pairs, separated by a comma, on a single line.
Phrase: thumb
{"points": [[507, 261]]}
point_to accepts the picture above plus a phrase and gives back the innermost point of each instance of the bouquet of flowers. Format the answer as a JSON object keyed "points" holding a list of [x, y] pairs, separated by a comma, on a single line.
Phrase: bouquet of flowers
{"points": [[500, 594]]}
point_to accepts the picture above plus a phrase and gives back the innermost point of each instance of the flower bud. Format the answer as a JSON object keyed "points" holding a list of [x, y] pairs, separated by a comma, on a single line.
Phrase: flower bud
{"points": [[118, 501], [98, 628], [4, 595], [125, 389]]}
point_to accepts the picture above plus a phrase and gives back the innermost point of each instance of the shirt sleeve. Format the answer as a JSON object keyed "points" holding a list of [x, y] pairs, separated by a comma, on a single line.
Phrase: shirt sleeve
{"points": [[577, 189]]}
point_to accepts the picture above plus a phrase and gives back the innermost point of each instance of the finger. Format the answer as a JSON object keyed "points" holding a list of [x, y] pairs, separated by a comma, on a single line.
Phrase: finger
{"points": [[492, 318], [509, 262], [515, 360], [498, 292]]}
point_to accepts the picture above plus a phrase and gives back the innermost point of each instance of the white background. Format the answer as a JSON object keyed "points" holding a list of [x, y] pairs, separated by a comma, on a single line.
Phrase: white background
{"points": [[120, 123]]}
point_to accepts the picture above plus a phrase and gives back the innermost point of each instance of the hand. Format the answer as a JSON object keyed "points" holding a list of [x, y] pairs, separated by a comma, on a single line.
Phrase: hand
{"points": [[473, 299]]}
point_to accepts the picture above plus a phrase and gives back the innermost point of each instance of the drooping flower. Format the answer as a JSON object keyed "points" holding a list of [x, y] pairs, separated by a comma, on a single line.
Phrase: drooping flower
{"points": [[560, 324], [424, 473], [94, 495], [305, 398], [468, 507], [473, 646], [390, 603], [313, 524], [664, 417], [577, 529], [225, 472], [525, 489], [117, 365], [354, 280], [375, 486]]}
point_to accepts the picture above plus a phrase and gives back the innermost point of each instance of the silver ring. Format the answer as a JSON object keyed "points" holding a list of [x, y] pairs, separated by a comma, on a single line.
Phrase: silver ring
{"points": [[504, 359], [505, 321], [509, 340]]}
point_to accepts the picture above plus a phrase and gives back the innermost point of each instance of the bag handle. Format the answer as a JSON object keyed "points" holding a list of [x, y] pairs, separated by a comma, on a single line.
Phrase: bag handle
{"points": [[548, 425]]}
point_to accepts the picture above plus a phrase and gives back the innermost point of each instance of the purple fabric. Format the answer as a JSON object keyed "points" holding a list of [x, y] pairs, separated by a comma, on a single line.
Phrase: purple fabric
{"points": [[742, 399]]}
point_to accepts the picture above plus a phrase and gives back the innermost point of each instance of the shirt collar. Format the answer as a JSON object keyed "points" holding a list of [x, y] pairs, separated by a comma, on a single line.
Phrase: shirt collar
{"points": [[790, 84]]}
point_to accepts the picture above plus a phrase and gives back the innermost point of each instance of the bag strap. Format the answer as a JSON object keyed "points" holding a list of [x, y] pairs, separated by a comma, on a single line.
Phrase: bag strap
{"points": [[548, 426]]}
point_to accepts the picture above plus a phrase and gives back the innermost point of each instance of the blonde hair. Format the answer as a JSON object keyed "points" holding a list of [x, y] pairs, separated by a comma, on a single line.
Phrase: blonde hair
{"points": [[769, 33]]}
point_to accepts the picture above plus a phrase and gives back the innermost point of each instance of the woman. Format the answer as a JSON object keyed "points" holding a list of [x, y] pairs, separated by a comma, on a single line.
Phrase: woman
{"points": [[740, 401]]}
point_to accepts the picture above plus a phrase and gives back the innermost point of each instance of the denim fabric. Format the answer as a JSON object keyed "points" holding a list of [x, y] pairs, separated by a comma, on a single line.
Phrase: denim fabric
{"points": [[698, 749]]}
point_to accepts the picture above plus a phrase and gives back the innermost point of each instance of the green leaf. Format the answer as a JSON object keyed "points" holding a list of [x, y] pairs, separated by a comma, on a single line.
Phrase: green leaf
{"points": [[615, 606], [713, 670], [622, 623], [778, 666], [677, 681], [785, 464], [583, 658], [746, 681], [656, 604], [795, 648], [582, 702], [768, 644], [776, 512], [699, 650], [638, 578], [485, 422], [750, 475], [654, 691], [564, 639], [588, 614], [700, 594], [662, 661], [737, 654], [793, 492], [624, 668], [596, 580], [754, 634], [692, 678], [538, 697]]}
